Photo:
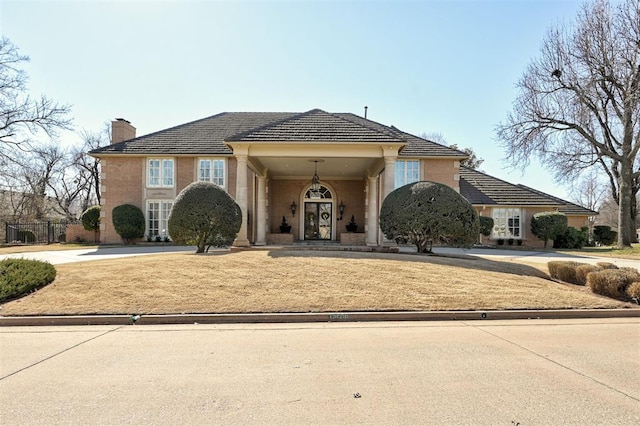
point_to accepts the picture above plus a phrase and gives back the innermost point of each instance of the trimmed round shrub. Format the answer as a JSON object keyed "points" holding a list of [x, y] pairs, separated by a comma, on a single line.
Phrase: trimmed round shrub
{"points": [[204, 215], [606, 265], [582, 271], [564, 270], [428, 212], [604, 235], [27, 236], [572, 238], [128, 221], [486, 225], [91, 219], [548, 225], [612, 282], [21, 276], [634, 290]]}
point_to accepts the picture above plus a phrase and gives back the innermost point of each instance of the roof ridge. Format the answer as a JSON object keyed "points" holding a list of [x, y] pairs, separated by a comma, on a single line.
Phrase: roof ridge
{"points": [[390, 130], [240, 135]]}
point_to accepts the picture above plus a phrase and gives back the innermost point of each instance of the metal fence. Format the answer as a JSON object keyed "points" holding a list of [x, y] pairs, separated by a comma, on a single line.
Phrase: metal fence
{"points": [[43, 232]]}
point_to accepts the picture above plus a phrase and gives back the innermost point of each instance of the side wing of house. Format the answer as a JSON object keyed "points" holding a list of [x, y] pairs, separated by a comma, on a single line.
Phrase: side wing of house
{"points": [[512, 207]]}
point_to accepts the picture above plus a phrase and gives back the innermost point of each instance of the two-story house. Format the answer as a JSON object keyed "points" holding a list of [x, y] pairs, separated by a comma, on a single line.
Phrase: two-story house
{"points": [[316, 169]]}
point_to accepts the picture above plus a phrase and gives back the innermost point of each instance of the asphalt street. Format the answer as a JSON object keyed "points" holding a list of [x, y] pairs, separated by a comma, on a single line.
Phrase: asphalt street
{"points": [[524, 372]]}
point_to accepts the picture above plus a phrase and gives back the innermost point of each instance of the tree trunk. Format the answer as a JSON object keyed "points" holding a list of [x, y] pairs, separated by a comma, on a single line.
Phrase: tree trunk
{"points": [[626, 227]]}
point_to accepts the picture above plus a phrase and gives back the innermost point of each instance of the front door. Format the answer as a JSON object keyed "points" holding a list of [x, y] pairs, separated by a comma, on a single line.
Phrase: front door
{"points": [[317, 221]]}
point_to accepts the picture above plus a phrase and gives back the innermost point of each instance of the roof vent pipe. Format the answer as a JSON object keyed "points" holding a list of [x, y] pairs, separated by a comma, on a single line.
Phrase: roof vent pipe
{"points": [[365, 111]]}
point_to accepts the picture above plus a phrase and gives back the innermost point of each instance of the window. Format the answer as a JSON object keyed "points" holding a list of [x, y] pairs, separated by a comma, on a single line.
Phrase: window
{"points": [[407, 171], [160, 172], [157, 217], [212, 170], [507, 223]]}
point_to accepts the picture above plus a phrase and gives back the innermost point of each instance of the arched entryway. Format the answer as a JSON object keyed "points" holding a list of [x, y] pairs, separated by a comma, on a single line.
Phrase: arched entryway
{"points": [[318, 219]]}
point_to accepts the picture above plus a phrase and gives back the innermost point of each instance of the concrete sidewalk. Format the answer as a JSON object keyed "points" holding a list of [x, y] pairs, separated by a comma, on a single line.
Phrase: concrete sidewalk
{"points": [[473, 372]]}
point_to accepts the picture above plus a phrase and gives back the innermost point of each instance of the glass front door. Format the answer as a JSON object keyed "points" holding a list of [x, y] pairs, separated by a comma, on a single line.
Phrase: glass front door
{"points": [[317, 221]]}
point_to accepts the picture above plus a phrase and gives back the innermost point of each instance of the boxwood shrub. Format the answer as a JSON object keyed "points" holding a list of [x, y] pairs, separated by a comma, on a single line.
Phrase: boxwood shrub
{"points": [[582, 271], [612, 282], [21, 276], [634, 291], [564, 271]]}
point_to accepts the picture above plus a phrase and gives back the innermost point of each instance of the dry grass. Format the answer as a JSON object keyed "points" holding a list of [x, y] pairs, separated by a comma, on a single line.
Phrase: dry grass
{"points": [[297, 281]]}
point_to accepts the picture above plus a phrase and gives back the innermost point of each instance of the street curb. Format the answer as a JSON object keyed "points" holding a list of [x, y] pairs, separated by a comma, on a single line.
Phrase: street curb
{"points": [[316, 317]]}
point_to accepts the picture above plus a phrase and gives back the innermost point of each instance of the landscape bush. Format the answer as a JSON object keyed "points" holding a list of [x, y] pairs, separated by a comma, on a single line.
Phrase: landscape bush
{"points": [[486, 225], [582, 271], [547, 225], [604, 235], [204, 215], [564, 270], [633, 290], [91, 219], [612, 282], [128, 221], [428, 212], [26, 236], [572, 238], [21, 276], [606, 265]]}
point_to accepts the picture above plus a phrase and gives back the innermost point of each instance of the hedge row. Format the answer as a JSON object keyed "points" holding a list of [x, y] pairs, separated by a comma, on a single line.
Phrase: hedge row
{"points": [[21, 276], [603, 278]]}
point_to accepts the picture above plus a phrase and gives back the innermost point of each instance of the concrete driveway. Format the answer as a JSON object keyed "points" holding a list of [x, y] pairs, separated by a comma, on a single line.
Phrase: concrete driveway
{"points": [[83, 255], [56, 257], [528, 372]]}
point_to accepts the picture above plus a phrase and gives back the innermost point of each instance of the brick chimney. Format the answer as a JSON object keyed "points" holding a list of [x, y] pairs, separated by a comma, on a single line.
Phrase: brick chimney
{"points": [[121, 130]]}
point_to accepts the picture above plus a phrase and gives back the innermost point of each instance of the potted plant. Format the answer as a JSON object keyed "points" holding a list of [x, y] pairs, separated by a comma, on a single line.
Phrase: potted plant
{"points": [[285, 228], [352, 226]]}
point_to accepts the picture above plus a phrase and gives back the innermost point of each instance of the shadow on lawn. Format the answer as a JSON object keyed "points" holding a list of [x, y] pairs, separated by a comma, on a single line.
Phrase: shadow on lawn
{"points": [[460, 261]]}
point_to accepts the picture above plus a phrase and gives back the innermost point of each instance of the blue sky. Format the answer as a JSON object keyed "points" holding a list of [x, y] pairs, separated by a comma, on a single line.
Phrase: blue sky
{"points": [[423, 66]]}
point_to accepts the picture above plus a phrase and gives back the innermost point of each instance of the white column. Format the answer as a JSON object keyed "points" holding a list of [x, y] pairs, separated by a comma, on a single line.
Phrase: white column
{"points": [[241, 199], [372, 212], [389, 186], [261, 214], [389, 175]]}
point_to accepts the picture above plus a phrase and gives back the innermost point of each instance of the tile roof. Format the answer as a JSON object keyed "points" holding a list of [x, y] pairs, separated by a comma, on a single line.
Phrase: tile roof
{"points": [[207, 136], [480, 188], [317, 126], [202, 137]]}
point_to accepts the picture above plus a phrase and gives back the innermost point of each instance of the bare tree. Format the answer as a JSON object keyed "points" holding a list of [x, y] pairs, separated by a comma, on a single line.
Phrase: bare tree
{"points": [[473, 162], [90, 166], [589, 191], [579, 103], [21, 115]]}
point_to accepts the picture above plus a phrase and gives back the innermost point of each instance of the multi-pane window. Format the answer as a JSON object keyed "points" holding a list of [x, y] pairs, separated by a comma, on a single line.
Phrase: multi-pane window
{"points": [[157, 217], [211, 170], [160, 172], [507, 223], [407, 171]]}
